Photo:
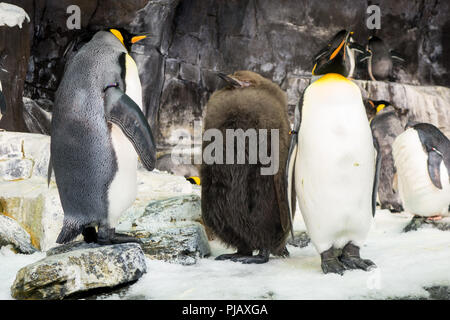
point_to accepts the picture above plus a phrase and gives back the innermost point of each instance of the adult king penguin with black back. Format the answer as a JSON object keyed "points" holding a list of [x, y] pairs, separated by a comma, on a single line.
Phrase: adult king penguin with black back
{"points": [[422, 159], [244, 208], [334, 161], [97, 129]]}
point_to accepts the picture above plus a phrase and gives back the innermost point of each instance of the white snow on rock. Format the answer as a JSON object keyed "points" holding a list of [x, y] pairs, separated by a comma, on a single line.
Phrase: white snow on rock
{"points": [[12, 15]]}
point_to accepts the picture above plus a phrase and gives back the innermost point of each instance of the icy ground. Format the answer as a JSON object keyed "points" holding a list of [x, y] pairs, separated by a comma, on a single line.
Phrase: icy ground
{"points": [[407, 263]]}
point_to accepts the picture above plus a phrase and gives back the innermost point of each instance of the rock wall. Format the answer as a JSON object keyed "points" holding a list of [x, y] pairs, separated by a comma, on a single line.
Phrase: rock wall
{"points": [[192, 39]]}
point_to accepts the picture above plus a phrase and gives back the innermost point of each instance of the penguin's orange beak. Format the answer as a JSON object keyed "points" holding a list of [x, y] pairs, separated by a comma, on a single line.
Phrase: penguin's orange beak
{"points": [[139, 38]]}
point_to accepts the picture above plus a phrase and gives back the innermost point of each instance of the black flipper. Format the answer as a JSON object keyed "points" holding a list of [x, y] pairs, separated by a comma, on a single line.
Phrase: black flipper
{"points": [[357, 47], [121, 110], [2, 103], [397, 56], [290, 165], [434, 165], [49, 171], [437, 146], [377, 176]]}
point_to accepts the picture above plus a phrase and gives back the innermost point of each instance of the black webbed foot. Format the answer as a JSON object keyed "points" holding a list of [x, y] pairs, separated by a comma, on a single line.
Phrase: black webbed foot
{"points": [[330, 262], [351, 259], [261, 257], [90, 235], [109, 236], [415, 223], [231, 256]]}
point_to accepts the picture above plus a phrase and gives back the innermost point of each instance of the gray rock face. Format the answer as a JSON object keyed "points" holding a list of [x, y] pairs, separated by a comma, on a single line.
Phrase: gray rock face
{"points": [[37, 118], [60, 275], [11, 233], [169, 229]]}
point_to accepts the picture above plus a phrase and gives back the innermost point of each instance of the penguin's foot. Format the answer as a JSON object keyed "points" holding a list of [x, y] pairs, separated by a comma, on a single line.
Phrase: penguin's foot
{"points": [[415, 223], [109, 236], [331, 263], [262, 257], [232, 256], [285, 253], [351, 259], [435, 218], [90, 235]]}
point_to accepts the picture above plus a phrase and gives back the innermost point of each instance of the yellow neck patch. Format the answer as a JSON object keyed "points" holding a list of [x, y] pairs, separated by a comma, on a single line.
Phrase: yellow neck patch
{"points": [[380, 107], [117, 34], [332, 77]]}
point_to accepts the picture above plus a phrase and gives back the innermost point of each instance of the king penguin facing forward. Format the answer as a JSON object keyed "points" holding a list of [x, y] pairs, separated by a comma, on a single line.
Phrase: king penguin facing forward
{"points": [[244, 208], [98, 130], [334, 160]]}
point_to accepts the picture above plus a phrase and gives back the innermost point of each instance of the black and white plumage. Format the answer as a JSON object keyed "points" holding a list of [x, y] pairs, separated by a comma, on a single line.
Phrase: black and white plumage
{"points": [[98, 129]]}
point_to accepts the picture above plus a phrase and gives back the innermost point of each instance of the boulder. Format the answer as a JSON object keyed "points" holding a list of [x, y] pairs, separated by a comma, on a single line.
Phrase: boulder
{"points": [[11, 233], [170, 229], [76, 272]]}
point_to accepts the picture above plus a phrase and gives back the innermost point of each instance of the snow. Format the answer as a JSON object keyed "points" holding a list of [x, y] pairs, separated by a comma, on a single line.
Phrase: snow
{"points": [[407, 263], [12, 15]]}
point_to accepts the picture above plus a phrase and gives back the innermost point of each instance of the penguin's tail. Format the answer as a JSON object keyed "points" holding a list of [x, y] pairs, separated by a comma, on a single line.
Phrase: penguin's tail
{"points": [[70, 230]]}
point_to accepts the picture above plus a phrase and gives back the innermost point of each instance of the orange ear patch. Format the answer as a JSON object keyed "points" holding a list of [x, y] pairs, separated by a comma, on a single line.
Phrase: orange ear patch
{"points": [[117, 34]]}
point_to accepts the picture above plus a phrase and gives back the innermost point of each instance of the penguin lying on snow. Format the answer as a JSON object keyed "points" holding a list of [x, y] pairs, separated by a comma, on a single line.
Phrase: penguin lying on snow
{"points": [[422, 159], [97, 129], [335, 163], [245, 209], [386, 122]]}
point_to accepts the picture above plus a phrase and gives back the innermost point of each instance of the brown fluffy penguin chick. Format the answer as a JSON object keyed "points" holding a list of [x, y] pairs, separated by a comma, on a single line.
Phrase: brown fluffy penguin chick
{"points": [[242, 207]]}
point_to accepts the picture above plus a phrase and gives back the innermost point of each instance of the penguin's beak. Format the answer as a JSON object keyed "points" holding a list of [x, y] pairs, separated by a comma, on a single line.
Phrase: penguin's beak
{"points": [[342, 44], [234, 82], [138, 38]]}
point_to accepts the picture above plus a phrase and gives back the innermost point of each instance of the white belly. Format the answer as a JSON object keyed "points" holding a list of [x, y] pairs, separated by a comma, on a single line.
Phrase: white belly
{"points": [[335, 165], [418, 193], [122, 191]]}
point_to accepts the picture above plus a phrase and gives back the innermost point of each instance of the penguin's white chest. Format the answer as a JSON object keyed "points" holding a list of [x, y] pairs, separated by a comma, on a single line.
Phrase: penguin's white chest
{"points": [[123, 188], [335, 166], [418, 193]]}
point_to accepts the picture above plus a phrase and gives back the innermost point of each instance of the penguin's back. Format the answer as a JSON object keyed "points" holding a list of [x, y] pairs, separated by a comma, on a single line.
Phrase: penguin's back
{"points": [[420, 196], [82, 154]]}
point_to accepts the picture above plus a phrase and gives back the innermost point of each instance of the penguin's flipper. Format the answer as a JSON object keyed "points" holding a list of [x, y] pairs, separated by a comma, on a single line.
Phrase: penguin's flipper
{"points": [[121, 110], [434, 165], [2, 103], [397, 56], [357, 47], [364, 56], [49, 171], [290, 165], [377, 176]]}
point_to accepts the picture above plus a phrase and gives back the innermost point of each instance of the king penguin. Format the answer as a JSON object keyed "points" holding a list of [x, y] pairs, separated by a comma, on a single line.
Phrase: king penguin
{"points": [[243, 207], [422, 159], [98, 129], [386, 122], [333, 158]]}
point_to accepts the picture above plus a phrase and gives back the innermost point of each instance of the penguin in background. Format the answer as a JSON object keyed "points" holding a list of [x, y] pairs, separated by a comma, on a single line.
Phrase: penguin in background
{"points": [[2, 102], [422, 159], [98, 129], [242, 207], [189, 171], [379, 59], [335, 162], [386, 122]]}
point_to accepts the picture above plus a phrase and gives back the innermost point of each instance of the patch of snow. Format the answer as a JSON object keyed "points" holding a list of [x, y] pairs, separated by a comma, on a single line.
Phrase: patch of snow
{"points": [[407, 263], [10, 264], [12, 15]]}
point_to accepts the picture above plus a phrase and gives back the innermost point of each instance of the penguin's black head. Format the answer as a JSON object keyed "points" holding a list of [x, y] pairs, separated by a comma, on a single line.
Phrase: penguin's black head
{"points": [[332, 58], [127, 38]]}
